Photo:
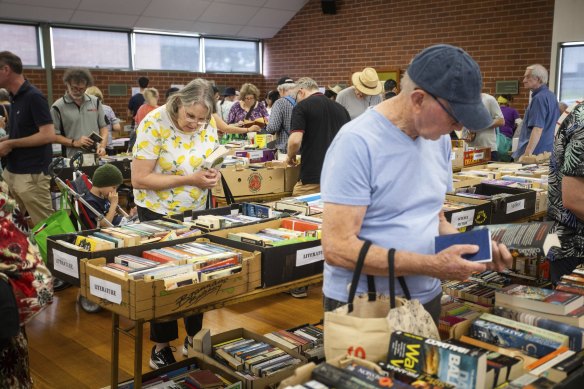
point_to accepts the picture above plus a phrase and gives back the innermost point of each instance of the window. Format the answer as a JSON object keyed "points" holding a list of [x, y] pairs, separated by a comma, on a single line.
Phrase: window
{"points": [[166, 52], [571, 72], [24, 42], [231, 56], [90, 48]]}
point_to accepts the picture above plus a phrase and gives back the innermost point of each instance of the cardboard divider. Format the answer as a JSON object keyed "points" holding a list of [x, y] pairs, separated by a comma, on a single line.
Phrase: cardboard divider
{"points": [[279, 264], [477, 214], [149, 299]]}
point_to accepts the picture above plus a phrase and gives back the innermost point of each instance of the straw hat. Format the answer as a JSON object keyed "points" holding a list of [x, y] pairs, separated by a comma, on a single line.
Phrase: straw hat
{"points": [[367, 82], [337, 88]]}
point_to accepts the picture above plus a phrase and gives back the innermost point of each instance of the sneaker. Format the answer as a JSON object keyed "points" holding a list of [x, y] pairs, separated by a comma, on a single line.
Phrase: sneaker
{"points": [[186, 345], [161, 358], [299, 293]]}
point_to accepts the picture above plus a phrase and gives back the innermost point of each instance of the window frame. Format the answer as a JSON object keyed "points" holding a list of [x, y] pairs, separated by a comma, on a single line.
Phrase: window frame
{"points": [[165, 33], [259, 55], [38, 36], [560, 64]]}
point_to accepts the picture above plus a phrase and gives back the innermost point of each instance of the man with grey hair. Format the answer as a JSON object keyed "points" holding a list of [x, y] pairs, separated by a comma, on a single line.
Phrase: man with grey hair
{"points": [[76, 115], [392, 196], [537, 130], [281, 116]]}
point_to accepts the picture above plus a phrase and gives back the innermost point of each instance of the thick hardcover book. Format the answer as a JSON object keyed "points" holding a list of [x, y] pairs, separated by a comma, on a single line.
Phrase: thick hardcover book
{"points": [[481, 238], [502, 336], [461, 366], [525, 239], [575, 334], [539, 299]]}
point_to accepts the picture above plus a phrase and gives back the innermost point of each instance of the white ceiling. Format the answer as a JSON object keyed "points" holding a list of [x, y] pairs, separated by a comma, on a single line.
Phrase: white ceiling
{"points": [[239, 18]]}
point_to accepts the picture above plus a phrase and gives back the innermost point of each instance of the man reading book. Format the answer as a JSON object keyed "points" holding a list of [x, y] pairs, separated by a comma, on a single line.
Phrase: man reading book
{"points": [[385, 177]]}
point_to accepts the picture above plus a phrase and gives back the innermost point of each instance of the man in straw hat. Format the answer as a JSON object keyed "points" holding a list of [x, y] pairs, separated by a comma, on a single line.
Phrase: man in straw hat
{"points": [[393, 196], [365, 92]]}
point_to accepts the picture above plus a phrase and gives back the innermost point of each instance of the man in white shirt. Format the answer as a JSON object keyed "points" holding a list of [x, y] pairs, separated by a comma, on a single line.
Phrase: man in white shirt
{"points": [[225, 105], [488, 136]]}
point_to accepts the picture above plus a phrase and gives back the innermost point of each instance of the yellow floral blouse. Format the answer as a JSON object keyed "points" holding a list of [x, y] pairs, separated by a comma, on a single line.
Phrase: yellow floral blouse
{"points": [[176, 152]]}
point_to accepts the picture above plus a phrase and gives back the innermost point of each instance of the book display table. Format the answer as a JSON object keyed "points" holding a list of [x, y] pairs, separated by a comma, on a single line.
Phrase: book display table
{"points": [[139, 324]]}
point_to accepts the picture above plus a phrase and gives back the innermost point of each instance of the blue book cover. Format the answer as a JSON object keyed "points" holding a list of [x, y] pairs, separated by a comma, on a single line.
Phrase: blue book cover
{"points": [[481, 237]]}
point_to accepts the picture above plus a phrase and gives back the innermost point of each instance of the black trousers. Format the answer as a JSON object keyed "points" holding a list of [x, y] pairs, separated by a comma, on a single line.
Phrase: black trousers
{"points": [[433, 306], [163, 332]]}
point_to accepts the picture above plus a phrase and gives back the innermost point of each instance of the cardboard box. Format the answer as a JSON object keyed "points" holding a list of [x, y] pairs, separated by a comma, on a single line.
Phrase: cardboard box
{"points": [[260, 383], [257, 156], [520, 203], [477, 214], [477, 156], [64, 262], [463, 181], [291, 174], [249, 182], [149, 299], [279, 264], [541, 201]]}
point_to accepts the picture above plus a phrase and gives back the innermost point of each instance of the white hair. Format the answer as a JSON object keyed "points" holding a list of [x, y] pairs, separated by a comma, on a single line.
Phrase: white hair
{"points": [[283, 88], [540, 72]]}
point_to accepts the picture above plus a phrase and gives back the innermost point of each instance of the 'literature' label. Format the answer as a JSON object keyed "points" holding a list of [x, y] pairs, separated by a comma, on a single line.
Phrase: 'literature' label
{"points": [[462, 219], [105, 289], [66, 263], [515, 206], [308, 256]]}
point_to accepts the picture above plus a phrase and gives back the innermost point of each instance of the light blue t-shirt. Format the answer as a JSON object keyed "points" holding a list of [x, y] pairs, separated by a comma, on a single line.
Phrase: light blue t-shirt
{"points": [[402, 182]]}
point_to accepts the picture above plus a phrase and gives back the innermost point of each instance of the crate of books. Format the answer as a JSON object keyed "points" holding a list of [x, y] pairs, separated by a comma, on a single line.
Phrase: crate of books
{"points": [[259, 361], [169, 280], [290, 247], [251, 181], [477, 156], [65, 251], [464, 212]]}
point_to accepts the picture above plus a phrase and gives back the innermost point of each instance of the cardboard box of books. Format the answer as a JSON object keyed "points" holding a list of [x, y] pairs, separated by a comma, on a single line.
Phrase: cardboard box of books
{"points": [[464, 212], [280, 264], [64, 251], [158, 295], [508, 204], [464, 181], [457, 158], [251, 181], [254, 376], [180, 371], [477, 156]]}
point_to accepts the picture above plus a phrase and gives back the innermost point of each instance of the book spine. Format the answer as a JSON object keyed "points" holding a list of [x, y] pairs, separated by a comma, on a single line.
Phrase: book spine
{"points": [[527, 328]]}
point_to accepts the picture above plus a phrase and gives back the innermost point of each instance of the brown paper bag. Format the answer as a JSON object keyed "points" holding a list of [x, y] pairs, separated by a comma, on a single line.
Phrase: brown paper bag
{"points": [[362, 328]]}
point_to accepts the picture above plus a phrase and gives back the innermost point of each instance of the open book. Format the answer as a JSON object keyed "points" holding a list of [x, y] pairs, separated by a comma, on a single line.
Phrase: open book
{"points": [[215, 158]]}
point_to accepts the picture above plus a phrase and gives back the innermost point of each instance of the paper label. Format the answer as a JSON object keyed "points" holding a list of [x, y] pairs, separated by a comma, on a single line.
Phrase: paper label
{"points": [[105, 289], [462, 219], [452, 155], [308, 256], [188, 219], [66, 263], [257, 154], [515, 206], [478, 156]]}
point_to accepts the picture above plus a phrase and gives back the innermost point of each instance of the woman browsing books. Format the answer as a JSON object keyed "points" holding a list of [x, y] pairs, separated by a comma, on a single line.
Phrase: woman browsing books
{"points": [[167, 175], [248, 109]]}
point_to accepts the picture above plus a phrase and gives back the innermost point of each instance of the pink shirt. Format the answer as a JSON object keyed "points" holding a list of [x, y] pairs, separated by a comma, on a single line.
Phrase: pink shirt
{"points": [[142, 112]]}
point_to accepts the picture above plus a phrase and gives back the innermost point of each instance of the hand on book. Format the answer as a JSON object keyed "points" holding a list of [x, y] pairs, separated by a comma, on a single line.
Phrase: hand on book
{"points": [[83, 142], [205, 179], [450, 265], [502, 258]]}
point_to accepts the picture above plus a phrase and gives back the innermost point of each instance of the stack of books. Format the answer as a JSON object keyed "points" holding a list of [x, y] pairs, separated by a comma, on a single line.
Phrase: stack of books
{"points": [[253, 359], [574, 282], [306, 339], [305, 205], [454, 313], [218, 222], [189, 377], [273, 237]]}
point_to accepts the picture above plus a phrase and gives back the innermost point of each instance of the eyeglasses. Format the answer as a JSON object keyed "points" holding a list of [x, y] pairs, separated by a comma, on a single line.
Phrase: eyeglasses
{"points": [[443, 107], [249, 98]]}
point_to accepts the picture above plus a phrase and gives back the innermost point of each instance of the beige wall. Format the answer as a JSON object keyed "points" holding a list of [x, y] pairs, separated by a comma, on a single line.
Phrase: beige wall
{"points": [[568, 27]]}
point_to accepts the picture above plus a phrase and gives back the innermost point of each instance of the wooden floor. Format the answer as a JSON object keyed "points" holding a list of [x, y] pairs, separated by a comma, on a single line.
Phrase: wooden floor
{"points": [[70, 348]]}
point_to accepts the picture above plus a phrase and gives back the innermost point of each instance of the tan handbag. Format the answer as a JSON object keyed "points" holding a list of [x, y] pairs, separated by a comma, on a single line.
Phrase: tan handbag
{"points": [[362, 328]]}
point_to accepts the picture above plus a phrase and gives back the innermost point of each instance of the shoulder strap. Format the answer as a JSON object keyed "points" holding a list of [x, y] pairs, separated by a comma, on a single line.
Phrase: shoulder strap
{"points": [[62, 129], [291, 100], [357, 273]]}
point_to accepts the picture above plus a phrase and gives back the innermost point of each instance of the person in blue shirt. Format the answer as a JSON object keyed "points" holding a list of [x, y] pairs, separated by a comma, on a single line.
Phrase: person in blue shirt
{"points": [[537, 130], [393, 195]]}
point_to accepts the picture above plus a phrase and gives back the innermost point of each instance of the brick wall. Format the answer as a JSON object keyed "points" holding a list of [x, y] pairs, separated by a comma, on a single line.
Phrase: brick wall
{"points": [[503, 36]]}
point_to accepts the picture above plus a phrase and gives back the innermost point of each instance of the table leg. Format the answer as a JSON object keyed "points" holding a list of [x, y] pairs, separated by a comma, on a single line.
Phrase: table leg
{"points": [[138, 354], [115, 349]]}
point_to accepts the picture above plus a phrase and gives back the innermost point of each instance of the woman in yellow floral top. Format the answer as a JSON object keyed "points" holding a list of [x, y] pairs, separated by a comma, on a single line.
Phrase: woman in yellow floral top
{"points": [[171, 143]]}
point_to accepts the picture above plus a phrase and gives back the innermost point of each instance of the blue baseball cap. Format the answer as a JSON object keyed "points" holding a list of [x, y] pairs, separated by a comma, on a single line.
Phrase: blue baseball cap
{"points": [[450, 73]]}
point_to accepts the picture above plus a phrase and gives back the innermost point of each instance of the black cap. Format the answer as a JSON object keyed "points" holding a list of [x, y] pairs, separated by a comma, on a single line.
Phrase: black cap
{"points": [[285, 80], [229, 91]]}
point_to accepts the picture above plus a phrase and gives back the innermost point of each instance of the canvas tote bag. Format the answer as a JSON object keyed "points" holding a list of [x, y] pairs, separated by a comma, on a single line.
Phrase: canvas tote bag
{"points": [[362, 328]]}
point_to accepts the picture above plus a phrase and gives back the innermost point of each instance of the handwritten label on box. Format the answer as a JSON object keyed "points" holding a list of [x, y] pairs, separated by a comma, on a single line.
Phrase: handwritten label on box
{"points": [[105, 289], [462, 219], [66, 263], [308, 256], [515, 206], [478, 156], [452, 155]]}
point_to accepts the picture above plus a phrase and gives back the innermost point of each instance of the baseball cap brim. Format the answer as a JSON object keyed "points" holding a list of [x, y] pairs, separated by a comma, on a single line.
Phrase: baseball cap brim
{"points": [[473, 116]]}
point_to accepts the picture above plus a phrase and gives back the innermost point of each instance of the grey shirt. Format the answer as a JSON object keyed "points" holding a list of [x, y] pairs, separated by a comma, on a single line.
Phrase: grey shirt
{"points": [[75, 121], [348, 99]]}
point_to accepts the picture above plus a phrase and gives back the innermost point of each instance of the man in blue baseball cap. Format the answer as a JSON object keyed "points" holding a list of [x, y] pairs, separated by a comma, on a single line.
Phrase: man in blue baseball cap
{"points": [[385, 177]]}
